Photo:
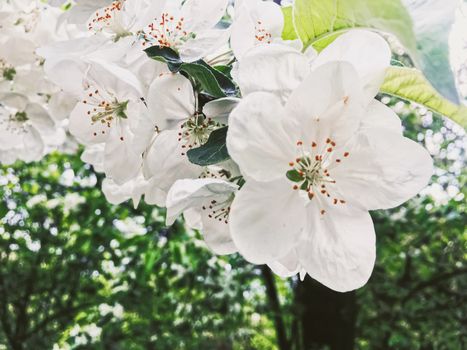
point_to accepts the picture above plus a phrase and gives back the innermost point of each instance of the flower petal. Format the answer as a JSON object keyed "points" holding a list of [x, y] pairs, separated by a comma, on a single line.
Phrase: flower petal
{"points": [[121, 162], [271, 68], [253, 17], [164, 164], [194, 193], [203, 14], [340, 252], [378, 115], [170, 100], [256, 139], [205, 43], [384, 169], [266, 220], [328, 104], [367, 51], [220, 109]]}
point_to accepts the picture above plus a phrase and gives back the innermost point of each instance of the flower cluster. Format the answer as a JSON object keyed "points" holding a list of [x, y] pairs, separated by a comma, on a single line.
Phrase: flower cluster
{"points": [[268, 148], [32, 108]]}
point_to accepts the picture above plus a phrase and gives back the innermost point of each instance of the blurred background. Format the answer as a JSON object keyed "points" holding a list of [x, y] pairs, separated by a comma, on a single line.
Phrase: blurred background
{"points": [[78, 273]]}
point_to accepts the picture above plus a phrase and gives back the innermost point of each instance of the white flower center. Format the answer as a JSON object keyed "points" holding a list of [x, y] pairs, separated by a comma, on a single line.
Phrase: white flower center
{"points": [[310, 171], [15, 123], [219, 210], [195, 131], [104, 110], [262, 36], [8, 72], [168, 31], [109, 18]]}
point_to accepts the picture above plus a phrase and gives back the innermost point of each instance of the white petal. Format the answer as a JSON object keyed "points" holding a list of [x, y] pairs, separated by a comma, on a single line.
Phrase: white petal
{"points": [[95, 155], [287, 266], [170, 100], [194, 193], [253, 16], [266, 220], [217, 235], [220, 109], [84, 129], [256, 139], [205, 43], [203, 14], [328, 104], [340, 251], [121, 162], [40, 118], [367, 51], [378, 115], [383, 170], [273, 68], [164, 163]]}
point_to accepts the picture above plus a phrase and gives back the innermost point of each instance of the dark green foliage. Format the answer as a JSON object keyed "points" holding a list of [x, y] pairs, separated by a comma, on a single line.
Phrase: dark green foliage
{"points": [[213, 151]]}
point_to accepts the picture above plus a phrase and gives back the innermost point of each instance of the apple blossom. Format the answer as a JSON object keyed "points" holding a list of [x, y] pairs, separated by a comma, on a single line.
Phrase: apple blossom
{"points": [[326, 157], [206, 204]]}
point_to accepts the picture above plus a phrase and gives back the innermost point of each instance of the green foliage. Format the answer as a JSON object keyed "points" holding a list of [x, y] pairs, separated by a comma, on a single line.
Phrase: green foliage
{"points": [[210, 80], [317, 22], [76, 270], [214, 151], [411, 85]]}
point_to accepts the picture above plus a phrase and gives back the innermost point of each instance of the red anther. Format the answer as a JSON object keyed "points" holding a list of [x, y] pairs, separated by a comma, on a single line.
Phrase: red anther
{"points": [[346, 154]]}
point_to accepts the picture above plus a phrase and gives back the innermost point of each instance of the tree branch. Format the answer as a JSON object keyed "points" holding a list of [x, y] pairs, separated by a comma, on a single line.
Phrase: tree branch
{"points": [[271, 292]]}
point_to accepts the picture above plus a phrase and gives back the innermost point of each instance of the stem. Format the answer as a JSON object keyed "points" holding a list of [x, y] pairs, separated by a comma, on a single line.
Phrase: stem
{"points": [[271, 292]]}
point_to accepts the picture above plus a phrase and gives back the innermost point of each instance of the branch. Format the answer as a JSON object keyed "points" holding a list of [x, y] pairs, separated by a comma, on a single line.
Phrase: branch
{"points": [[271, 292], [432, 282]]}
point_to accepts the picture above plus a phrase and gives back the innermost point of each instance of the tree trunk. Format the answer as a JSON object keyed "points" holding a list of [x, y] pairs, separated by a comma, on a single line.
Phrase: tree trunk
{"points": [[326, 317]]}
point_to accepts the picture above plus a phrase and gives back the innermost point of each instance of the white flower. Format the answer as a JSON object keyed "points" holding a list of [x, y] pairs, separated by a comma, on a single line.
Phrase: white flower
{"points": [[314, 167], [134, 189], [256, 22], [172, 109], [206, 206], [108, 113], [188, 28], [23, 127]]}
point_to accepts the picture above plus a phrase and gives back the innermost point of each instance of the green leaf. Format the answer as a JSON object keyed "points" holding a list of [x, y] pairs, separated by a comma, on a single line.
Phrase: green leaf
{"points": [[289, 30], [166, 55], [433, 20], [225, 83], [410, 84], [213, 151], [294, 175], [205, 77], [318, 22]]}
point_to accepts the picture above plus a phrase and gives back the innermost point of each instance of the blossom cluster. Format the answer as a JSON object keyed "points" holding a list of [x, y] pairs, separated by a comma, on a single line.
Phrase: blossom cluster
{"points": [[32, 108], [267, 147]]}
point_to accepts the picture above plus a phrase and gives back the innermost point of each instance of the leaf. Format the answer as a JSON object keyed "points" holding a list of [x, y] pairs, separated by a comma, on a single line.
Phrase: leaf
{"points": [[318, 22], [213, 151], [294, 175], [433, 20], [205, 77], [166, 55], [226, 84], [289, 30], [410, 84]]}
